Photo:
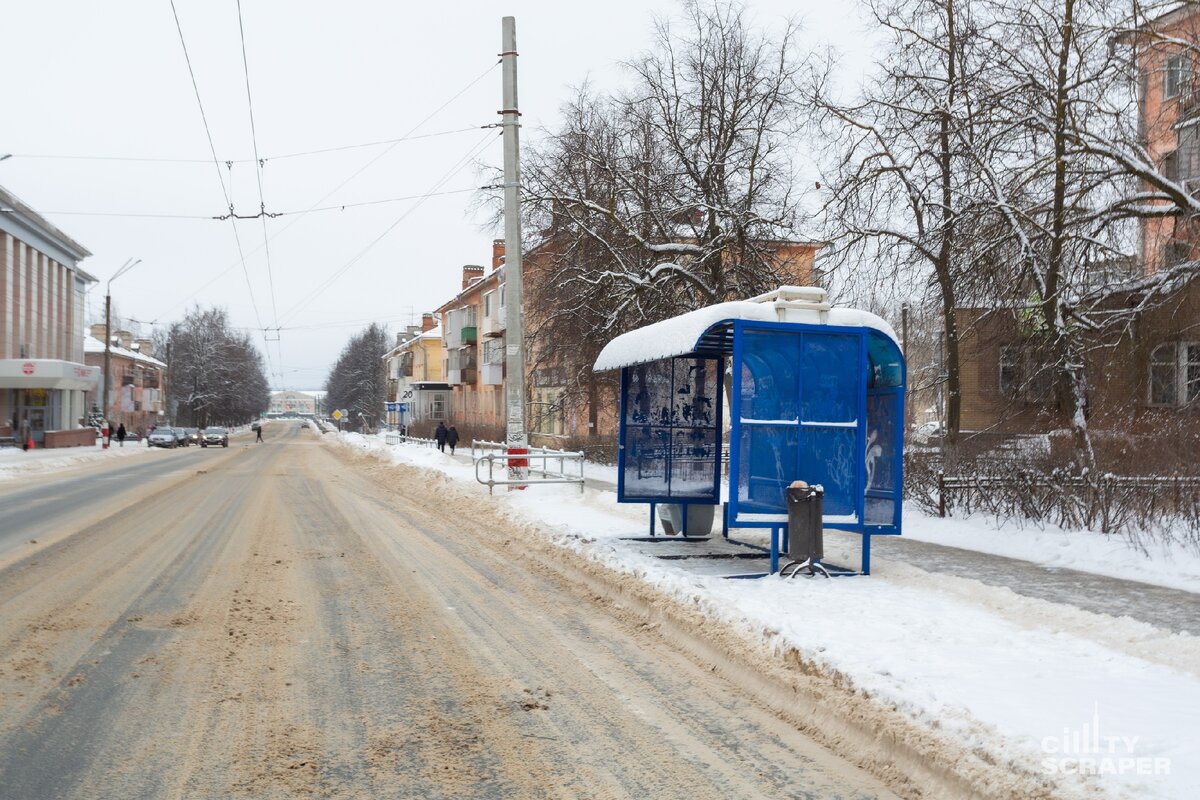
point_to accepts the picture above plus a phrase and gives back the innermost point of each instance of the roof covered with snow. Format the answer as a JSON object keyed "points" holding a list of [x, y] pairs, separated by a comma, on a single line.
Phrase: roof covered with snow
{"points": [[682, 334], [93, 345]]}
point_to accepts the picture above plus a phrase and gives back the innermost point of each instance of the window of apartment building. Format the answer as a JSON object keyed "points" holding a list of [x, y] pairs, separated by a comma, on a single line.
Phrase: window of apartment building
{"points": [[493, 351], [1175, 374], [437, 406], [487, 304], [1186, 156], [1170, 166], [1178, 75], [1023, 375]]}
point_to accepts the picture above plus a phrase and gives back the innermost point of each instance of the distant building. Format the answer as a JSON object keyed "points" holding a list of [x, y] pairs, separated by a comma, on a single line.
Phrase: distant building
{"points": [[292, 404], [473, 326], [43, 377], [1169, 120], [416, 378], [135, 385]]}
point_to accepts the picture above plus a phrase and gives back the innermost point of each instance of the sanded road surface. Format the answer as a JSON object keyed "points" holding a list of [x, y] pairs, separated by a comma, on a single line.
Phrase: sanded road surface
{"points": [[278, 622]]}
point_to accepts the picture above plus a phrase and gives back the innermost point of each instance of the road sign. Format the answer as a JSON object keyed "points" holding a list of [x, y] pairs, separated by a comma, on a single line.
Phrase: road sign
{"points": [[406, 394], [338, 414]]}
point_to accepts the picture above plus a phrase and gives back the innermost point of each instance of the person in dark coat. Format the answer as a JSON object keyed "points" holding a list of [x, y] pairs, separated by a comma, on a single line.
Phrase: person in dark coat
{"points": [[452, 438], [121, 434], [439, 435]]}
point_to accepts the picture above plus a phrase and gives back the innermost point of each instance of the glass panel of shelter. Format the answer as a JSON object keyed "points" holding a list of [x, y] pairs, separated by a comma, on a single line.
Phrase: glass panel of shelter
{"points": [[672, 438], [799, 399]]}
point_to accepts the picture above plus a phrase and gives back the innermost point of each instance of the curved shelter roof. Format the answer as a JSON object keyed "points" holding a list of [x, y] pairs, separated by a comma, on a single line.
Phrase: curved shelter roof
{"points": [[709, 331]]}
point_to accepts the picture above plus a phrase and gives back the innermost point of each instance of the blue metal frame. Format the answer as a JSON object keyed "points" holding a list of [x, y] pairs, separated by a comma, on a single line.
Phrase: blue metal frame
{"points": [[730, 511], [859, 494]]}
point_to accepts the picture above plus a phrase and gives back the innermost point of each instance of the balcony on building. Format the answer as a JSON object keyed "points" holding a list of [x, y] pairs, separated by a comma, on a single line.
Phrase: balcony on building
{"points": [[468, 325], [460, 366], [492, 371]]}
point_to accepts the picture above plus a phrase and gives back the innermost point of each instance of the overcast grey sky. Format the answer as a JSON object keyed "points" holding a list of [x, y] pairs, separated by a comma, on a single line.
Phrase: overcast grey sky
{"points": [[110, 79]]}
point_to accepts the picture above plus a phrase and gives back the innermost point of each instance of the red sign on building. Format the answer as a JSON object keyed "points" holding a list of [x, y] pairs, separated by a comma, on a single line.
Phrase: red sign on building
{"points": [[27, 368]]}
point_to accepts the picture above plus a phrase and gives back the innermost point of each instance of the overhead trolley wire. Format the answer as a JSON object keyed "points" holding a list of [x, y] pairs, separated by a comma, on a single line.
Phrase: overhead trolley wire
{"points": [[266, 159], [223, 217], [316, 206], [217, 164], [454, 170], [258, 172]]}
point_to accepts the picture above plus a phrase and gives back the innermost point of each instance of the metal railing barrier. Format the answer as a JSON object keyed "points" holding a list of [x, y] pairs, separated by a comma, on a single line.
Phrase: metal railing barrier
{"points": [[493, 453]]}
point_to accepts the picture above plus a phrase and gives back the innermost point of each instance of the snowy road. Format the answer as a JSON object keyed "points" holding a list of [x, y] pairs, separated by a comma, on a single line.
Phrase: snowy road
{"points": [[272, 622]]}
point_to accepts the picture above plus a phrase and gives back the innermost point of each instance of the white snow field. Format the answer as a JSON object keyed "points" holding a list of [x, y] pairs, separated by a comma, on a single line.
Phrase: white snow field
{"points": [[17, 463], [1047, 687]]}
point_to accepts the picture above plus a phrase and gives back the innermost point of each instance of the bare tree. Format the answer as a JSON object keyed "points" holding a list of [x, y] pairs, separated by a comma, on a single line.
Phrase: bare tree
{"points": [[671, 195], [216, 374], [901, 194], [358, 380]]}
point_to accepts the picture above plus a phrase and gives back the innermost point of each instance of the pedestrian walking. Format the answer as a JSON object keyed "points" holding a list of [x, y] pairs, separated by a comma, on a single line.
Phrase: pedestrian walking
{"points": [[121, 434], [26, 433], [440, 436], [452, 438], [258, 430]]}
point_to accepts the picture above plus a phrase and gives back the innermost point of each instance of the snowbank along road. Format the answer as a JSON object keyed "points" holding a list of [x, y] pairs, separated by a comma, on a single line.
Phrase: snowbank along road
{"points": [[273, 621]]}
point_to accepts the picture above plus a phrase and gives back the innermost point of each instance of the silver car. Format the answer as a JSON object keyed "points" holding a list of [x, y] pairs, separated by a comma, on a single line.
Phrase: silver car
{"points": [[162, 436]]}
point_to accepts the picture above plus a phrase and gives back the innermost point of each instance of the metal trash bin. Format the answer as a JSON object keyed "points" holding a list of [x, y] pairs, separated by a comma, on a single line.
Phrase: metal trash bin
{"points": [[806, 542]]}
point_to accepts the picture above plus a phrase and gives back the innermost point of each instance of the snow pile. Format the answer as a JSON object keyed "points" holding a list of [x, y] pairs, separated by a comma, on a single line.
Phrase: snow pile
{"points": [[17, 463], [1038, 685]]}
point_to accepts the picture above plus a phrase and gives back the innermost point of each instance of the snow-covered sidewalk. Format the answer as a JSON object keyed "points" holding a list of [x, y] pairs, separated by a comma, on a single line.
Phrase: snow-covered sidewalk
{"points": [[16, 463], [1047, 687]]}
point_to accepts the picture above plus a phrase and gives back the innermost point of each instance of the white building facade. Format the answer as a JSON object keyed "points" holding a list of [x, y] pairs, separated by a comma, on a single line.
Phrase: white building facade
{"points": [[43, 377]]}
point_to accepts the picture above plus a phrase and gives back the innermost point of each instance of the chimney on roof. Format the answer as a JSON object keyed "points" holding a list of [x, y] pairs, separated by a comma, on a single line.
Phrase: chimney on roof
{"points": [[471, 273], [428, 322], [98, 331], [125, 337], [144, 346], [497, 253]]}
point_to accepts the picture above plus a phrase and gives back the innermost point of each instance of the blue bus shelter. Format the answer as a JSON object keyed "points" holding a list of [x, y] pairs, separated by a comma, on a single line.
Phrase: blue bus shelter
{"points": [[815, 394]]}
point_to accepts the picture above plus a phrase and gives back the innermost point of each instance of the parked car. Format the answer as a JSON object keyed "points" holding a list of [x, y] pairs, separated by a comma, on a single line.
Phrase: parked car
{"points": [[181, 436], [162, 436], [193, 435], [214, 436]]}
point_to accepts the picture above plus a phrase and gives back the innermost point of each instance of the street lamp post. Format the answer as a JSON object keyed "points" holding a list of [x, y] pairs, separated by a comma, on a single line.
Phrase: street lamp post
{"points": [[104, 404]]}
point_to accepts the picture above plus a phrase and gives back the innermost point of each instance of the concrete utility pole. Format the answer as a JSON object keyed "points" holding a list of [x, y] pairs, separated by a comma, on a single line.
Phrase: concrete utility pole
{"points": [[104, 404], [514, 388]]}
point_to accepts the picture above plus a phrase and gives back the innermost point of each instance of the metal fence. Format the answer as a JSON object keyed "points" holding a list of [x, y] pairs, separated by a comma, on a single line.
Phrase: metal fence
{"points": [[396, 438], [545, 465], [1104, 502]]}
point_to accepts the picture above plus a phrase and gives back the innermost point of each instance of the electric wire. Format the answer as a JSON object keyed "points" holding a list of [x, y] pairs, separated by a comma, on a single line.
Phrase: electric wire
{"points": [[454, 170], [217, 164], [300, 215], [266, 159], [258, 173], [223, 217]]}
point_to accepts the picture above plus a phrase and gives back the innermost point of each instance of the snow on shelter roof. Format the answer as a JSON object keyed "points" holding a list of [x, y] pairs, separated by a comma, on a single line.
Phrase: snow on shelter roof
{"points": [[685, 333]]}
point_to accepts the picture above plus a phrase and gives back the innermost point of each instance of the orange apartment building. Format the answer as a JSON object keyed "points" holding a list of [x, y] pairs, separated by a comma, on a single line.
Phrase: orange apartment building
{"points": [[1169, 122], [473, 325], [135, 383], [1144, 375]]}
